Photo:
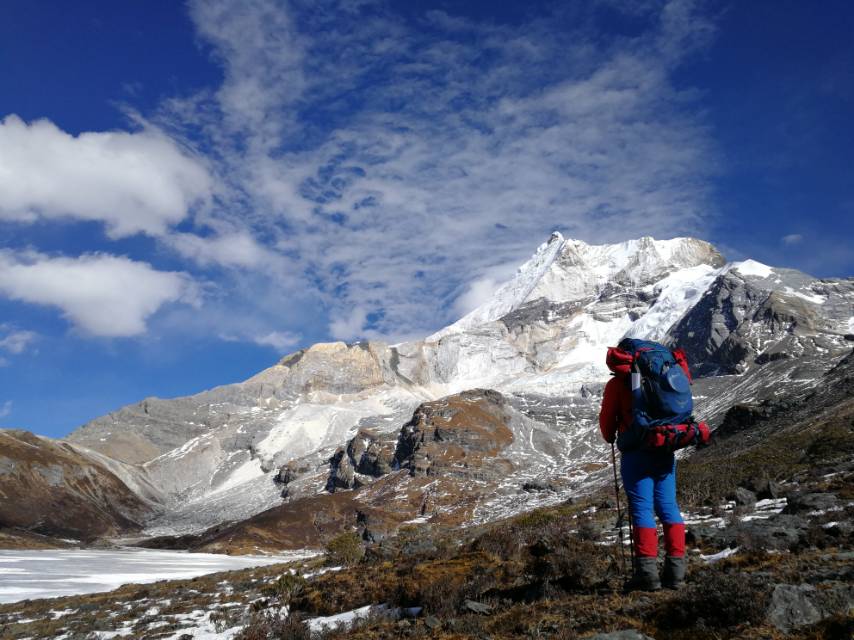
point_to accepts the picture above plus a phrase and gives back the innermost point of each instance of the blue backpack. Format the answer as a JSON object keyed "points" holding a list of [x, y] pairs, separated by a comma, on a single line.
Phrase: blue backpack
{"points": [[661, 393]]}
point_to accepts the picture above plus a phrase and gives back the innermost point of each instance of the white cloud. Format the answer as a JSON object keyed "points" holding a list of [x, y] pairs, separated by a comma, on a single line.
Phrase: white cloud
{"points": [[238, 249], [133, 182], [5, 408], [279, 340], [13, 340], [348, 325], [103, 295], [792, 239]]}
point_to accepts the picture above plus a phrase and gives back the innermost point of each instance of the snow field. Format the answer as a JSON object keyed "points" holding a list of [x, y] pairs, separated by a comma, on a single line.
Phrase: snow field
{"points": [[53, 573]]}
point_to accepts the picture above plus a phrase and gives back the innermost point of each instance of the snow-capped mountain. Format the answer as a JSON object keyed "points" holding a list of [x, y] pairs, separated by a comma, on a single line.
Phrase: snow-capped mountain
{"points": [[539, 342]]}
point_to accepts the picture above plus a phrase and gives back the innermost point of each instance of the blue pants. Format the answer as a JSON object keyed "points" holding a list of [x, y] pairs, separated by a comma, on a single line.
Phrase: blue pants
{"points": [[650, 482]]}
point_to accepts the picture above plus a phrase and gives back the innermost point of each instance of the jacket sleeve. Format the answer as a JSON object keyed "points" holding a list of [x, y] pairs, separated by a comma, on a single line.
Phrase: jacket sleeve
{"points": [[608, 414]]}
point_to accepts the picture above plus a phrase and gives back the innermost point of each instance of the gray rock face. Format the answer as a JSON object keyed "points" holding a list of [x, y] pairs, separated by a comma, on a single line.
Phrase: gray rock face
{"points": [[341, 474], [743, 320], [371, 454]]}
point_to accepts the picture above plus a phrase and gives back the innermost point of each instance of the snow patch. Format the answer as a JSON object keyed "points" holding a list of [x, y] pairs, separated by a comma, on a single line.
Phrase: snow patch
{"points": [[813, 298], [246, 472], [347, 618], [752, 268], [715, 557], [678, 293], [308, 427]]}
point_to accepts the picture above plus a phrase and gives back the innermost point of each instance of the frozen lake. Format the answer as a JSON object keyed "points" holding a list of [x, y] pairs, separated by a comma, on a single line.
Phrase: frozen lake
{"points": [[51, 573]]}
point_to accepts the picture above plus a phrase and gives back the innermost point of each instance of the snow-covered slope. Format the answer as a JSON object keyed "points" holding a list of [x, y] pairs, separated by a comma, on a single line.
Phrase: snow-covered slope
{"points": [[571, 270], [540, 341]]}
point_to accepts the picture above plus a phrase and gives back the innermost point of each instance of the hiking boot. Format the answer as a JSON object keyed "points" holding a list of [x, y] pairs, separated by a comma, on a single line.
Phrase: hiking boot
{"points": [[673, 576], [645, 577]]}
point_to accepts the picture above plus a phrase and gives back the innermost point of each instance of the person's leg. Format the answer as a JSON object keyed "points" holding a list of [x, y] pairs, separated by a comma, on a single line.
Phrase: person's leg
{"points": [[667, 509], [639, 488]]}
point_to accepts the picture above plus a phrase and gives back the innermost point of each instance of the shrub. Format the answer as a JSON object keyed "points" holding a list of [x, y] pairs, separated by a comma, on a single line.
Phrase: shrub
{"points": [[267, 626], [567, 562], [286, 587], [717, 600], [345, 549], [442, 586]]}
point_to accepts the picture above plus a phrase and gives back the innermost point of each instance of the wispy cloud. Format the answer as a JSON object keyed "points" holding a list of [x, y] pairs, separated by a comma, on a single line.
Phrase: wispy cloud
{"points": [[5, 408], [792, 239], [373, 172], [401, 164], [15, 341]]}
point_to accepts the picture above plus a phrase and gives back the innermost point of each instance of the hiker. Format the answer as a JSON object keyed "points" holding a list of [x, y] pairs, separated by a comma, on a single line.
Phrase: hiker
{"points": [[648, 465]]}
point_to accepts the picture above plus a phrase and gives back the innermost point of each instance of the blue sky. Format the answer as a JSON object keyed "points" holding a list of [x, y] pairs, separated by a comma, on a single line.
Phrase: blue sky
{"points": [[189, 191]]}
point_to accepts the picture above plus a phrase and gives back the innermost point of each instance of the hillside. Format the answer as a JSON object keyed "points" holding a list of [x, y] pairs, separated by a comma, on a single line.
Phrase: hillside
{"points": [[769, 508], [53, 489]]}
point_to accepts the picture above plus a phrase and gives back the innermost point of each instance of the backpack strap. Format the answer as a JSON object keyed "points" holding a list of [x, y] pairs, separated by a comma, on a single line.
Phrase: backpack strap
{"points": [[682, 360]]}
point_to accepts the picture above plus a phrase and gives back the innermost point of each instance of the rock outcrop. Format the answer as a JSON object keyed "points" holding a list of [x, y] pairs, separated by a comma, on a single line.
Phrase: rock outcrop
{"points": [[461, 436]]}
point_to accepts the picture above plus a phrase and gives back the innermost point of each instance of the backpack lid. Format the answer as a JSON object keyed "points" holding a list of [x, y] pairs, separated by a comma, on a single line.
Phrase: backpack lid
{"points": [[619, 361]]}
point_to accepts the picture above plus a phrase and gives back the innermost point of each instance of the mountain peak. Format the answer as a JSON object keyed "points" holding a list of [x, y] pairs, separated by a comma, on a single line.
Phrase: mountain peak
{"points": [[568, 270]]}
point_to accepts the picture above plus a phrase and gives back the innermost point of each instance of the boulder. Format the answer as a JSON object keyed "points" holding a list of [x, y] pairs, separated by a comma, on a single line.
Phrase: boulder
{"points": [[288, 473], [795, 606], [781, 532], [792, 607], [810, 502], [536, 486], [744, 497], [765, 488], [741, 417], [477, 607]]}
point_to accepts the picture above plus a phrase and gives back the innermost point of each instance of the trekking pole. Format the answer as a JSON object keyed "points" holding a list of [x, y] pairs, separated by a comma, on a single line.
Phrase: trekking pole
{"points": [[631, 537], [619, 511]]}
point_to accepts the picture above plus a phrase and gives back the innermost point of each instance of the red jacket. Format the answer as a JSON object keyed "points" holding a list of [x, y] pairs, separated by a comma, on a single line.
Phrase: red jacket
{"points": [[616, 412]]}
